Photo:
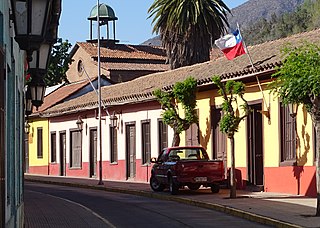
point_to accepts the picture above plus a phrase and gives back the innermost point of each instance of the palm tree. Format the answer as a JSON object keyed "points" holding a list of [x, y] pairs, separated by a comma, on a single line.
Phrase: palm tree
{"points": [[187, 28]]}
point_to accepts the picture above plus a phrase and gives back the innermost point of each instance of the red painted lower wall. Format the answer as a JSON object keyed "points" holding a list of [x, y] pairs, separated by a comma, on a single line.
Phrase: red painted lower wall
{"points": [[114, 171], [42, 170], [291, 179], [54, 169]]}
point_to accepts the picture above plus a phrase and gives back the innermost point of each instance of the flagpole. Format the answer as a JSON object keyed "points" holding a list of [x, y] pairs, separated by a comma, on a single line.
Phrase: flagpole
{"points": [[254, 68], [245, 47]]}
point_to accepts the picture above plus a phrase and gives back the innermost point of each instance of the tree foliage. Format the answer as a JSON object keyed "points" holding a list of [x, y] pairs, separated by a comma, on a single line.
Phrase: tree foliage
{"points": [[187, 28], [298, 81], [230, 121], [305, 18], [183, 93], [58, 63]]}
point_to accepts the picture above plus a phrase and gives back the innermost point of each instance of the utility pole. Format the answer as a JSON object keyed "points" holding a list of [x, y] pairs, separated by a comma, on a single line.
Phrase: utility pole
{"points": [[99, 98]]}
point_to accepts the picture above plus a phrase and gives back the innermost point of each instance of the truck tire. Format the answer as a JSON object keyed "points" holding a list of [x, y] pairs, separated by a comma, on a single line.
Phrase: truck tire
{"points": [[194, 187], [173, 187], [215, 188], [155, 184]]}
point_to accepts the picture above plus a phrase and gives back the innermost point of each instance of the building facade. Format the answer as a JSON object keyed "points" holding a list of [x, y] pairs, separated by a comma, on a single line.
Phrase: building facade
{"points": [[11, 123], [274, 152]]}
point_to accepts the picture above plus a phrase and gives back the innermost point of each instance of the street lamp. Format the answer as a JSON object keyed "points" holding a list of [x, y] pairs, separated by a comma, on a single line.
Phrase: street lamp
{"points": [[113, 120], [293, 109], [26, 127], [38, 68], [28, 102], [79, 123], [31, 20], [37, 88], [40, 59]]}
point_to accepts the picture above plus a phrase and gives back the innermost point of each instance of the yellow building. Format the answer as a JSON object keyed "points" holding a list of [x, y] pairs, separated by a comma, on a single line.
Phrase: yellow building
{"points": [[38, 139]]}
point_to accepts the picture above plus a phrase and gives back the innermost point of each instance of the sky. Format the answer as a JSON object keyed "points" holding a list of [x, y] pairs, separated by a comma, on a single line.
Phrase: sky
{"points": [[132, 26]]}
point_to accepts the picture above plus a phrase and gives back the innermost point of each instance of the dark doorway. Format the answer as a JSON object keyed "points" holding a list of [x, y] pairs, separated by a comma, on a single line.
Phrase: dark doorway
{"points": [[255, 148], [131, 150], [62, 147], [26, 152], [219, 139], [93, 153], [192, 134]]}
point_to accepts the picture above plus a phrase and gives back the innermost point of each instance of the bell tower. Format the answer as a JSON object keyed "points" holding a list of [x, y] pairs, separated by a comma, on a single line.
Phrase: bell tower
{"points": [[107, 19]]}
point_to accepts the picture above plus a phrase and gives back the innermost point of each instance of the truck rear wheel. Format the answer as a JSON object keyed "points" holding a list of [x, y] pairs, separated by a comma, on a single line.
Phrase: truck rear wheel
{"points": [[215, 188], [173, 187], [155, 184]]}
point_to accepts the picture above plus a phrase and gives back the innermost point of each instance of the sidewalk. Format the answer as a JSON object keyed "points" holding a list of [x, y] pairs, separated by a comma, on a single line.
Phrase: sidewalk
{"points": [[276, 209]]}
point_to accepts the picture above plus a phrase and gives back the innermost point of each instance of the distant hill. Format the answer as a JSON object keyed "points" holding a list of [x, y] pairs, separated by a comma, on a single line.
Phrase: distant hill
{"points": [[253, 10], [155, 41], [249, 12]]}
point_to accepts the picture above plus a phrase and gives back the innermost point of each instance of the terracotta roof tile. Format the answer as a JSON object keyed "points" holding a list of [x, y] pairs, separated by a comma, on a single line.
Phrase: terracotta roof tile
{"points": [[60, 94], [266, 57], [134, 66], [125, 51]]}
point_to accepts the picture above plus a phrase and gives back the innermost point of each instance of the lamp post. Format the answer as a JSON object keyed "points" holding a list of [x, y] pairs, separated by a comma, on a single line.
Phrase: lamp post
{"points": [[99, 96]]}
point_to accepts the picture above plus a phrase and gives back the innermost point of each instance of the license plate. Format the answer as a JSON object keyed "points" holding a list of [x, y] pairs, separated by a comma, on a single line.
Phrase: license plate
{"points": [[200, 179]]}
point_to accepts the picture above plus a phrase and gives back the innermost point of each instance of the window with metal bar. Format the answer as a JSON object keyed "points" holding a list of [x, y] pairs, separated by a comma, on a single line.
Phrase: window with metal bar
{"points": [[75, 149], [53, 145], [162, 135], [39, 142], [146, 144], [288, 135], [113, 145]]}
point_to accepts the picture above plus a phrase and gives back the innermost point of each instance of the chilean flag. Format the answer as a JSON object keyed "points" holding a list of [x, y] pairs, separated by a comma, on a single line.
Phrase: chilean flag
{"points": [[231, 45]]}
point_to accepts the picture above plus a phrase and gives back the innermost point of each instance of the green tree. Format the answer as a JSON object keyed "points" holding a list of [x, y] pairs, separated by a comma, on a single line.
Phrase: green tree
{"points": [[229, 124], [187, 28], [58, 63], [298, 81], [183, 93]]}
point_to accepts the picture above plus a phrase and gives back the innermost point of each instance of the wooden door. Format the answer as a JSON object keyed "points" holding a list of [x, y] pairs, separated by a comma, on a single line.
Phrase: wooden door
{"points": [[93, 153], [192, 135], [62, 150], [255, 147], [219, 139], [26, 152], [131, 150]]}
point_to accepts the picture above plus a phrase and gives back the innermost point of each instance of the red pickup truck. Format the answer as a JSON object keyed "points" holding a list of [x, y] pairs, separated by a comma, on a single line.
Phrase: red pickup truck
{"points": [[189, 166]]}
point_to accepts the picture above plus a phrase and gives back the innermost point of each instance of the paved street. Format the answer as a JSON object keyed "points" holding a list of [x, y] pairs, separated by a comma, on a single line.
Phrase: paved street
{"points": [[61, 206], [42, 210], [276, 209]]}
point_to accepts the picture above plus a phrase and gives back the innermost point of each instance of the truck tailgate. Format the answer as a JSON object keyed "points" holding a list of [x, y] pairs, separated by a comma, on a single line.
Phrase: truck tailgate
{"points": [[200, 171]]}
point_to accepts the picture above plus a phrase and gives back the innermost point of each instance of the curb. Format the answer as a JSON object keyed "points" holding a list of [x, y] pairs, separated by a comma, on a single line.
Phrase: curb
{"points": [[217, 207]]}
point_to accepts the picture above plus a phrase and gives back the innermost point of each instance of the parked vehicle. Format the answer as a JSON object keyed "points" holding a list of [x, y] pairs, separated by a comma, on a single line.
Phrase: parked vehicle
{"points": [[189, 166]]}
